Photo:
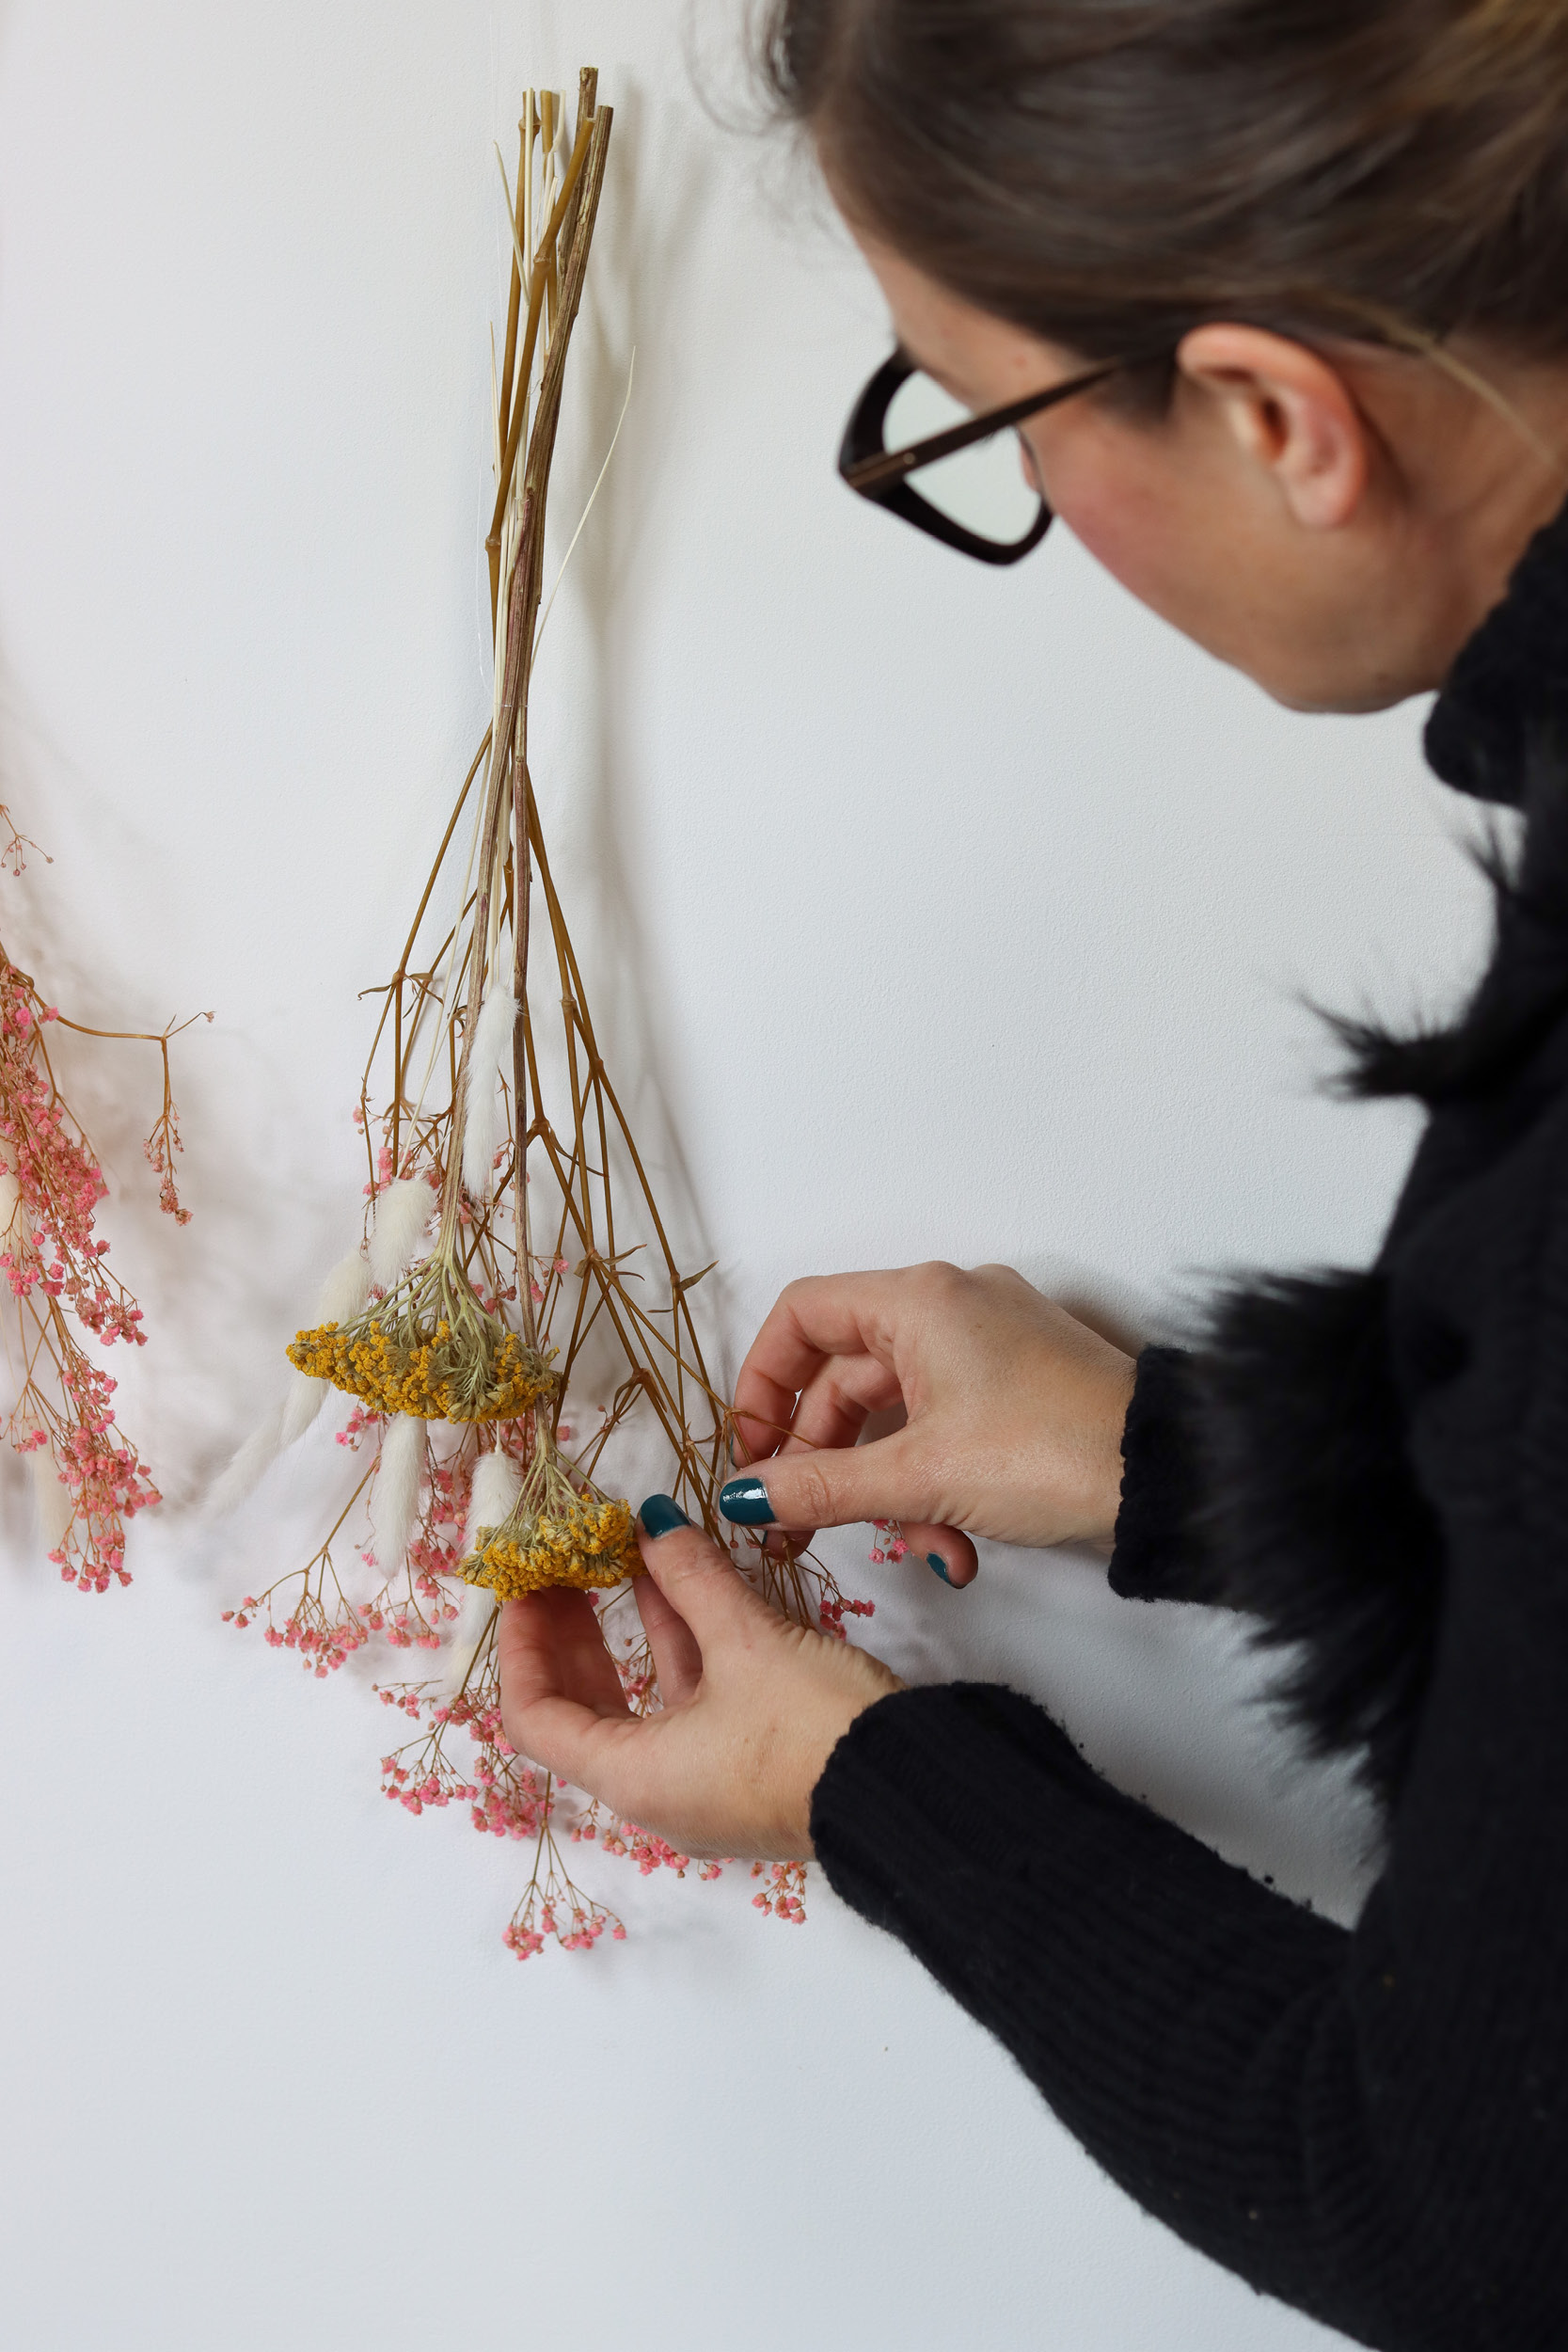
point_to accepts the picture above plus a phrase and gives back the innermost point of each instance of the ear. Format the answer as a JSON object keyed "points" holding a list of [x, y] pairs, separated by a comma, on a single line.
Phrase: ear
{"points": [[1290, 412]]}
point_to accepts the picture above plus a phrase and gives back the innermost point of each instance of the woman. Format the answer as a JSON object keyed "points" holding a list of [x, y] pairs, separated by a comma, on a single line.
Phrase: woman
{"points": [[1304, 270]]}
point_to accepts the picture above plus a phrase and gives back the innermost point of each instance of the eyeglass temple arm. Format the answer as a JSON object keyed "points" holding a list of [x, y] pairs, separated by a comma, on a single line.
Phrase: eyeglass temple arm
{"points": [[871, 474], [889, 466]]}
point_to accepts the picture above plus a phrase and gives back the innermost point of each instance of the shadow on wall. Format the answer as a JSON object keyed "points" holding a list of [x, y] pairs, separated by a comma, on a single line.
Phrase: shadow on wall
{"points": [[64, 919]]}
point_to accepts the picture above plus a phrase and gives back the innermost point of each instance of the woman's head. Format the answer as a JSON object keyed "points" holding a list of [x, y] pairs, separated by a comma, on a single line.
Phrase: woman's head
{"points": [[1290, 197]]}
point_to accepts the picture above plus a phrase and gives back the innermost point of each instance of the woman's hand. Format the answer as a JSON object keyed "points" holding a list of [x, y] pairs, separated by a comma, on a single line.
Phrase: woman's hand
{"points": [[753, 1705], [1014, 1413]]}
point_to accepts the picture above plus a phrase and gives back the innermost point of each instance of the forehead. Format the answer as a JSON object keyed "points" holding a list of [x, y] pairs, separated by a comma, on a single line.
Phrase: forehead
{"points": [[962, 346]]}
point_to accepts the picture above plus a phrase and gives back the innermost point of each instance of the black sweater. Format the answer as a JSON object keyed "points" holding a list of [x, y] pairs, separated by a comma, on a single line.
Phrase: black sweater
{"points": [[1369, 2125]]}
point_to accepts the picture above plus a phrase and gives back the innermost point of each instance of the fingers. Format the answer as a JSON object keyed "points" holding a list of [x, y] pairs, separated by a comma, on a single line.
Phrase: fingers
{"points": [[677, 1658], [803, 1489], [832, 1411], [703, 1589], [946, 1552], [551, 1647], [820, 1316], [559, 1690], [831, 1408]]}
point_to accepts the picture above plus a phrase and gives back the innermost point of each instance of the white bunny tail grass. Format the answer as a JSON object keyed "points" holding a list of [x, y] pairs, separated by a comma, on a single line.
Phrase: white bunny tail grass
{"points": [[301, 1406], [498, 1482], [344, 1293], [347, 1288], [53, 1500], [402, 1210], [475, 1614], [248, 1466], [481, 1125], [395, 1496]]}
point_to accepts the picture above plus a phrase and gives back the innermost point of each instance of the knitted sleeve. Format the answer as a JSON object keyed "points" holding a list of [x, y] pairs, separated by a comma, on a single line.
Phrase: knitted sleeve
{"points": [[1158, 1555], [1372, 2126]]}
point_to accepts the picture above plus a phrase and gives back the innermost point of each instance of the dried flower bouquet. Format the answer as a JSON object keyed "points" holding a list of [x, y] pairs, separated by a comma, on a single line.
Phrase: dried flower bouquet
{"points": [[517, 1312], [88, 1478]]}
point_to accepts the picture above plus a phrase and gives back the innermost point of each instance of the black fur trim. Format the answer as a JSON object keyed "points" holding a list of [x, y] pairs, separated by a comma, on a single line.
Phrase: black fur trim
{"points": [[1524, 994], [1316, 1523]]}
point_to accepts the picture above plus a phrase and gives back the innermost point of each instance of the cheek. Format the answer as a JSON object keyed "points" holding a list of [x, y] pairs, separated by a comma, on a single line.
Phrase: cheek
{"points": [[1130, 529], [1139, 518]]}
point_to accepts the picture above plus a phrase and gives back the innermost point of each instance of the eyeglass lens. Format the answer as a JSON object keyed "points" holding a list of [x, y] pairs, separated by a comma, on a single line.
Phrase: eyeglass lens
{"points": [[989, 489]]}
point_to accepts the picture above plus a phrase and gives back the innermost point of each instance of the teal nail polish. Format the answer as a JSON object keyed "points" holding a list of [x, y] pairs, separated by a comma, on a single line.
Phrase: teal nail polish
{"points": [[661, 1516], [935, 1560], [744, 1503]]}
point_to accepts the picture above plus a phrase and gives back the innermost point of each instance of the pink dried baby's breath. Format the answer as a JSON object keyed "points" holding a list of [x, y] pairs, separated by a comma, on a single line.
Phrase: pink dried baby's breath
{"points": [[52, 1263]]}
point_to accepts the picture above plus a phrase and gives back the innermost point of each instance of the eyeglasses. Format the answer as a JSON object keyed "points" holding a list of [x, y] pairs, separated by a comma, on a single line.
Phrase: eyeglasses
{"points": [[977, 499]]}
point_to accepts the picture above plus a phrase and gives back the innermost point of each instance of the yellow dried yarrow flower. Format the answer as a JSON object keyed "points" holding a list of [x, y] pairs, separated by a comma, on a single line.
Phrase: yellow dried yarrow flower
{"points": [[557, 1535], [430, 1350]]}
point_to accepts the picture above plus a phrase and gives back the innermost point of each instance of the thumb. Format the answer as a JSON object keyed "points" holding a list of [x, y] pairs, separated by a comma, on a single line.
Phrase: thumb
{"points": [[696, 1576], [828, 1487]]}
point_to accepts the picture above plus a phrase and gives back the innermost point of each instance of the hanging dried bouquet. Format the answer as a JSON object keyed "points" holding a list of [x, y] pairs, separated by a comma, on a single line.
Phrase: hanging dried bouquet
{"points": [[517, 1313], [88, 1478]]}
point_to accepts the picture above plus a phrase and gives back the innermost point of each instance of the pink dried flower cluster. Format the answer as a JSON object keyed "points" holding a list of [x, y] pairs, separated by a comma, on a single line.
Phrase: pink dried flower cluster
{"points": [[61, 1290], [436, 1788], [783, 1893], [506, 1796], [321, 1640], [100, 1475], [50, 1242], [835, 1607], [890, 1544], [647, 1850], [160, 1150], [535, 1920]]}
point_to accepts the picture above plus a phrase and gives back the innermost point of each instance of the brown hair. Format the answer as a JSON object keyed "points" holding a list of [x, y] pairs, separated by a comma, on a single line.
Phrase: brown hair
{"points": [[1111, 173]]}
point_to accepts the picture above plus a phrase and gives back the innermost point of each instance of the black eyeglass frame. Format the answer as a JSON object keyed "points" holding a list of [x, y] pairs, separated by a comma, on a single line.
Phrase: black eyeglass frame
{"points": [[882, 475]]}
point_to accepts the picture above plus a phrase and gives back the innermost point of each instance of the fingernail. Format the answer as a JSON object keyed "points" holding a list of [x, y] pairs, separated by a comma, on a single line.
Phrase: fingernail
{"points": [[661, 1516], [744, 1503], [935, 1560]]}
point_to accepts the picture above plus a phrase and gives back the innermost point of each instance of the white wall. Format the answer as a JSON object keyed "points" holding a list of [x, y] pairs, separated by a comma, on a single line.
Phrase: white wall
{"points": [[931, 910]]}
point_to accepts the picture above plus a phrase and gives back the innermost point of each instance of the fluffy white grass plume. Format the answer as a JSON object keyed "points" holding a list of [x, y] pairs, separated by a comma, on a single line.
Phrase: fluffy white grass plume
{"points": [[52, 1495], [345, 1289], [395, 1496], [481, 1129], [304, 1401], [498, 1482], [496, 1485], [343, 1293], [402, 1210]]}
